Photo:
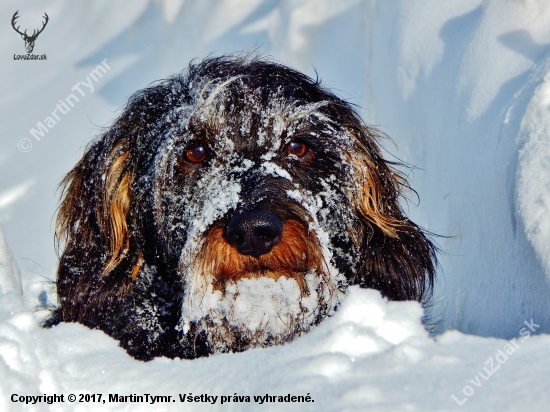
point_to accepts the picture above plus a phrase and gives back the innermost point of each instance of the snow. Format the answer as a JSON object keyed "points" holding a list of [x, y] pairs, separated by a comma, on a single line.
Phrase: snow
{"points": [[534, 174], [460, 124], [264, 308], [462, 88], [10, 278], [274, 170]]}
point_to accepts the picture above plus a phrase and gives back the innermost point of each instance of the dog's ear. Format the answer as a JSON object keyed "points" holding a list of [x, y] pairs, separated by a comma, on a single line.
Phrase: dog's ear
{"points": [[99, 226], [397, 256], [100, 256]]}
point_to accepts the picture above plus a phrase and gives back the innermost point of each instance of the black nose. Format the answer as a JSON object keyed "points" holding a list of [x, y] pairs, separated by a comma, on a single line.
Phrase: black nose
{"points": [[254, 233]]}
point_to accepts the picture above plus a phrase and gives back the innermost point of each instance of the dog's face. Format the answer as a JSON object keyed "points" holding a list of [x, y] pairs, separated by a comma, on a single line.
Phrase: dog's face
{"points": [[254, 202], [251, 195]]}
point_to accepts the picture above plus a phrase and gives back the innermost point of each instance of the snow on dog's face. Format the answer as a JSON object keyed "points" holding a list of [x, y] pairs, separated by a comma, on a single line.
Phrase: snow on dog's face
{"points": [[229, 208], [255, 202]]}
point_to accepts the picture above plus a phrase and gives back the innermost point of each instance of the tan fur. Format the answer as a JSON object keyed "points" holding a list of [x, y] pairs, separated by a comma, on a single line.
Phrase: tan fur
{"points": [[297, 252], [137, 267], [111, 214], [116, 198], [368, 197]]}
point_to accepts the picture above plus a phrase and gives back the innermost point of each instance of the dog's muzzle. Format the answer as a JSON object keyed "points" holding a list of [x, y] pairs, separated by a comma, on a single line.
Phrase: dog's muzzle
{"points": [[254, 233]]}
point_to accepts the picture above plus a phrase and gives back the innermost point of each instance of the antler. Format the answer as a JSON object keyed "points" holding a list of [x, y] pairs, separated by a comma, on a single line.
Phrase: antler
{"points": [[43, 26], [15, 16], [34, 33]]}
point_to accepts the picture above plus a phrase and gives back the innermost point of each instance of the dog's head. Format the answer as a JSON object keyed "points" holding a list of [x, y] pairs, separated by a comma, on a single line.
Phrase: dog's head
{"points": [[256, 196]]}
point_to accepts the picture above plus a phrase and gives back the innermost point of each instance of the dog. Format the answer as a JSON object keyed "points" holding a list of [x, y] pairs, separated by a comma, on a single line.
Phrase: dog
{"points": [[230, 207]]}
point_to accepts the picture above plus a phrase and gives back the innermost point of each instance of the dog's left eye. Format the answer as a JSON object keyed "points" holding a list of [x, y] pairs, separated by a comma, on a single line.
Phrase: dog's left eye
{"points": [[196, 154], [297, 149]]}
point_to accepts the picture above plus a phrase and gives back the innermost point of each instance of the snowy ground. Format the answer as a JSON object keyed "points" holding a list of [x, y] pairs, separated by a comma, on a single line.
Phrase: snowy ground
{"points": [[463, 89]]}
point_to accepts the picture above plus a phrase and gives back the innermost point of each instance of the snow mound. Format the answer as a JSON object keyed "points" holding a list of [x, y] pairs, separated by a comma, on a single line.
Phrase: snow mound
{"points": [[10, 278], [534, 171]]}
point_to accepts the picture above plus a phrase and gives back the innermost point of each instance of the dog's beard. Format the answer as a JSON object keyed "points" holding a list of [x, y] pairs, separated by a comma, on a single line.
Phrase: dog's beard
{"points": [[255, 311], [234, 302]]}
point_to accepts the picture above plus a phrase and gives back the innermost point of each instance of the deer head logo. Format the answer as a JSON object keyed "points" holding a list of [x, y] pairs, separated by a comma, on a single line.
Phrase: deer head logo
{"points": [[29, 40]]}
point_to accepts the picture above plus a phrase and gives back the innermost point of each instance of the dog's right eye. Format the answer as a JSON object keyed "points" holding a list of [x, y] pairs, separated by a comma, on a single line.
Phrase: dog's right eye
{"points": [[297, 149], [196, 154]]}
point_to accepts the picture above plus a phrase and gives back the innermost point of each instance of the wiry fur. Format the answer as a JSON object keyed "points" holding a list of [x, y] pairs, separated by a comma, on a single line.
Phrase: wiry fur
{"points": [[142, 230]]}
